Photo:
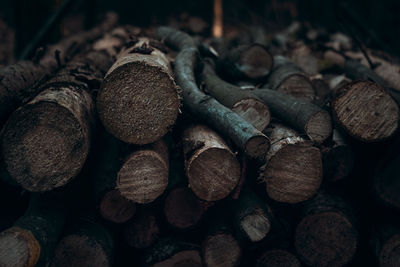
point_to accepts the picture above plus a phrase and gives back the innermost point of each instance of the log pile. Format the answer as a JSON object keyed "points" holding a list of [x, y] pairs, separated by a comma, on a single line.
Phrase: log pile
{"points": [[146, 147]]}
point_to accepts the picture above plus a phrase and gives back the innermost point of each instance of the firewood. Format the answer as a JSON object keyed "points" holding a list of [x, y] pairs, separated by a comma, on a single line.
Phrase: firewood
{"points": [[241, 101], [366, 111], [277, 258], [246, 62], [20, 82], [89, 244], [211, 167], [143, 230], [116, 208], [242, 133], [251, 216], [288, 78], [326, 234], [144, 175], [46, 142], [385, 240], [138, 101], [293, 172], [31, 240], [170, 252]]}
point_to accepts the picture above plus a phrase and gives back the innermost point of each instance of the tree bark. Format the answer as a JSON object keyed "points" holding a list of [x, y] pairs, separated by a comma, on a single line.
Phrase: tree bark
{"points": [[242, 133], [241, 101], [366, 111], [212, 169], [293, 172], [138, 101]]}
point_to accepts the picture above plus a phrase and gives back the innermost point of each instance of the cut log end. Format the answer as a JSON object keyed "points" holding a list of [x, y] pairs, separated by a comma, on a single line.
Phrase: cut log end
{"points": [[116, 208], [278, 258], [143, 177], [256, 62], [143, 231], [256, 226], [18, 247], [366, 111], [138, 103], [253, 111], [387, 184], [390, 253], [44, 146], [257, 147], [185, 258], [221, 249], [182, 209], [79, 250], [294, 173], [326, 239], [338, 163], [299, 86], [319, 127]]}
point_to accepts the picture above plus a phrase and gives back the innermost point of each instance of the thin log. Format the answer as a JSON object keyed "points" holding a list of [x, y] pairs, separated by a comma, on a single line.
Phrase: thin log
{"points": [[242, 133], [212, 169], [366, 111], [293, 172]]}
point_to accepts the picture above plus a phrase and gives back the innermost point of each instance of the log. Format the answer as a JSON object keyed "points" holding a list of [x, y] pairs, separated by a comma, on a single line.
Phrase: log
{"points": [[293, 172], [326, 234], [241, 101], [20, 81], [89, 244], [46, 142], [385, 241], [31, 240], [211, 167], [251, 216], [277, 258], [288, 78], [138, 101], [246, 62], [170, 252], [143, 177], [242, 133], [301, 115], [366, 111], [7, 44], [116, 208], [143, 230]]}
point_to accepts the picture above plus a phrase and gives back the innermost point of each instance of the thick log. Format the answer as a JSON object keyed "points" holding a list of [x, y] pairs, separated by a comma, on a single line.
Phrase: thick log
{"points": [[301, 115], [366, 111], [385, 242], [211, 167], [90, 244], [138, 101], [326, 234], [288, 78], [242, 133], [293, 172], [143, 230], [241, 101], [246, 62], [251, 216], [278, 258], [46, 142], [169, 252], [31, 241], [144, 175]]}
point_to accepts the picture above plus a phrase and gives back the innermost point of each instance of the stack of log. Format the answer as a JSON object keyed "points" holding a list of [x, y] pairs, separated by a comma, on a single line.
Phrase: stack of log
{"points": [[124, 146]]}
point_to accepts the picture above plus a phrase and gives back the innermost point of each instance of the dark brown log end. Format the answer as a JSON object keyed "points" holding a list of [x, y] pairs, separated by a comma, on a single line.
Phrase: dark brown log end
{"points": [[278, 258], [338, 163], [182, 208], [79, 250], [44, 146], [390, 253], [387, 184], [255, 62], [366, 111], [142, 231], [253, 111], [19, 248], [257, 146], [185, 258], [221, 249], [116, 208], [319, 126], [299, 86], [326, 239], [138, 103], [294, 173], [143, 177], [256, 225]]}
